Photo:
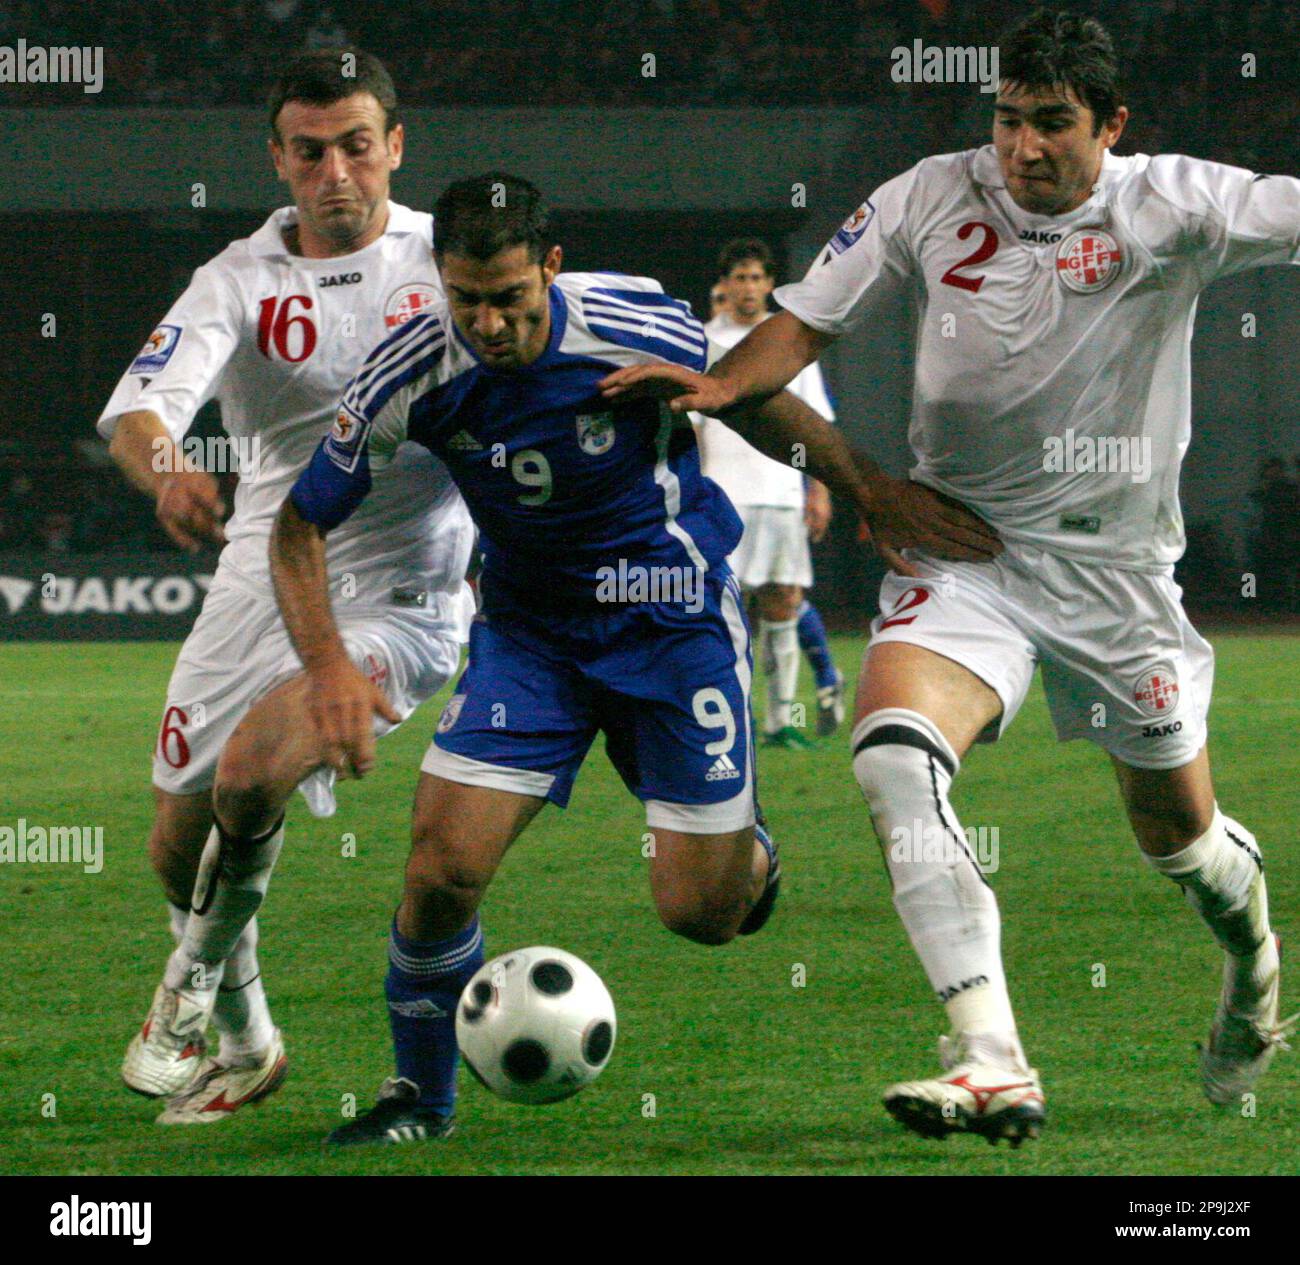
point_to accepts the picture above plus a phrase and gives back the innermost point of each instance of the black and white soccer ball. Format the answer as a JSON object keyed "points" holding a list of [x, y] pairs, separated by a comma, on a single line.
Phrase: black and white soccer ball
{"points": [[536, 1025]]}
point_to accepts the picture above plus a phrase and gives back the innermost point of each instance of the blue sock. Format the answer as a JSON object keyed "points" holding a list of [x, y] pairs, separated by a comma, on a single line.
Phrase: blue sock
{"points": [[423, 985], [812, 640]]}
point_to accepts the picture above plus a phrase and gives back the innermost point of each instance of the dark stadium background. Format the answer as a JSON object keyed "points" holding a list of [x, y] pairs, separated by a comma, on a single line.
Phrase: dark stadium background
{"points": [[645, 174]]}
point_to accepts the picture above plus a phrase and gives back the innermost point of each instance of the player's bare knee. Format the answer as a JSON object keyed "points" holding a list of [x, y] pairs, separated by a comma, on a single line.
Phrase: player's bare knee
{"points": [[1168, 829], [176, 866], [703, 918], [242, 797], [443, 887], [779, 603]]}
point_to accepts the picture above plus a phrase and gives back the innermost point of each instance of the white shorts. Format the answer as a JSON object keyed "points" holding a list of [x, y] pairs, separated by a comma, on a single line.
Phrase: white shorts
{"points": [[239, 650], [774, 547], [1122, 665]]}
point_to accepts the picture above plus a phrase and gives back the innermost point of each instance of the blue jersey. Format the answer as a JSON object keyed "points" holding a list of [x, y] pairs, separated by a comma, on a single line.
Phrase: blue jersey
{"points": [[565, 486]]}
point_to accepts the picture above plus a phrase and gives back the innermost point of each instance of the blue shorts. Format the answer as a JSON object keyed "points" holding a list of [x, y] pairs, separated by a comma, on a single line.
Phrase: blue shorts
{"points": [[669, 687]]}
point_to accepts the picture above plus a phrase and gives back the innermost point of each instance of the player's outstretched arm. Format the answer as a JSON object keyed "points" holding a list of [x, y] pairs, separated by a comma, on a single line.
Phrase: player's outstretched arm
{"points": [[188, 500], [899, 514], [755, 369], [342, 699]]}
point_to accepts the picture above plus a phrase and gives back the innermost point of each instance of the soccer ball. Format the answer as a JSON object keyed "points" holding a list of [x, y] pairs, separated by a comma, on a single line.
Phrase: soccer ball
{"points": [[535, 1025]]}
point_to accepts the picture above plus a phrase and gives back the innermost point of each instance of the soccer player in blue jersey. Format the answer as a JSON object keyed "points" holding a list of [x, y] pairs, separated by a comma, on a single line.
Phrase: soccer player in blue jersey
{"points": [[607, 603]]}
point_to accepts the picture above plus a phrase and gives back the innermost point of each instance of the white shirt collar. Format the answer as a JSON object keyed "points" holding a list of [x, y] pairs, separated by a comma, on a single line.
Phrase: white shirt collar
{"points": [[269, 239]]}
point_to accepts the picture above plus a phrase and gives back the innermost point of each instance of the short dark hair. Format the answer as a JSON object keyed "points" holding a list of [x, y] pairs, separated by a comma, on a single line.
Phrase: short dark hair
{"points": [[1055, 48], [332, 74], [740, 250], [482, 215]]}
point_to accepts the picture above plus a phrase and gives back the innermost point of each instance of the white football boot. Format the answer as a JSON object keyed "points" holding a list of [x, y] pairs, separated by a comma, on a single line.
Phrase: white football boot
{"points": [[165, 1056], [975, 1096], [1241, 1046], [222, 1088]]}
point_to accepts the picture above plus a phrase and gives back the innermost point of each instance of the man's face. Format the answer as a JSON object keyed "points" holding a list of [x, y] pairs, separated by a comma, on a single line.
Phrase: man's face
{"points": [[336, 160], [501, 306], [747, 286], [717, 300], [1049, 157]]}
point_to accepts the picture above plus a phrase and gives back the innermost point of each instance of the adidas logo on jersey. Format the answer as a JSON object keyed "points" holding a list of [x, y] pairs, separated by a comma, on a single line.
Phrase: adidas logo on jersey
{"points": [[722, 770], [463, 441]]}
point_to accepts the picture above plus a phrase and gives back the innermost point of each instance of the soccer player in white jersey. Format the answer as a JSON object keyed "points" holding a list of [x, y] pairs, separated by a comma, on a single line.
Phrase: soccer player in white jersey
{"points": [[781, 509], [1068, 278], [273, 328]]}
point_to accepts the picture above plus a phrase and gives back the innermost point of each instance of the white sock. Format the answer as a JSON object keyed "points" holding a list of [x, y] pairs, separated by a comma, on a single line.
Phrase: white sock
{"points": [[904, 766], [233, 877], [780, 642], [177, 918], [241, 1014], [1222, 876]]}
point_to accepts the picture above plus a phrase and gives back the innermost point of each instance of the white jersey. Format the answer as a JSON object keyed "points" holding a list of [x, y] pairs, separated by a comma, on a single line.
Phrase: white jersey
{"points": [[747, 476], [274, 338], [1053, 372]]}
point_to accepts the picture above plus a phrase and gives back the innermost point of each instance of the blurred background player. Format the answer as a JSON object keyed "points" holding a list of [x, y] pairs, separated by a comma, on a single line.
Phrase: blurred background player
{"points": [[273, 328], [781, 509], [1108, 256], [501, 381], [717, 300]]}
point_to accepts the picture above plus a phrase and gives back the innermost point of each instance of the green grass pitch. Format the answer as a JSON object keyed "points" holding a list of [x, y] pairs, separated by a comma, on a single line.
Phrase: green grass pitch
{"points": [[723, 1064]]}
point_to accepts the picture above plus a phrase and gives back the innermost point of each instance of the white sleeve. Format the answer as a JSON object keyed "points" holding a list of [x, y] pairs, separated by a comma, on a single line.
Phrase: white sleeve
{"points": [[177, 370], [864, 265], [810, 387], [1234, 218]]}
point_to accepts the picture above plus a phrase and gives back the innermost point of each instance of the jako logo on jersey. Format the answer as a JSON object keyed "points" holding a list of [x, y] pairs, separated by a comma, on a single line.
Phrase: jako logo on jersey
{"points": [[155, 354], [344, 442], [1162, 731], [1156, 692], [1088, 260], [408, 301], [1039, 236], [853, 228], [340, 279], [595, 433]]}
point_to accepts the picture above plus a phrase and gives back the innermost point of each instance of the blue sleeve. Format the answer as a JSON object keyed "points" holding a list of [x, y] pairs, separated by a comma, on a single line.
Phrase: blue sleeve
{"points": [[338, 477], [335, 481]]}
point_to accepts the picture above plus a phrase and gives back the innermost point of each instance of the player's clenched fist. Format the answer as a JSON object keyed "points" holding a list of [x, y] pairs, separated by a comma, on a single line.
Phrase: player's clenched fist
{"points": [[342, 700], [190, 509]]}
